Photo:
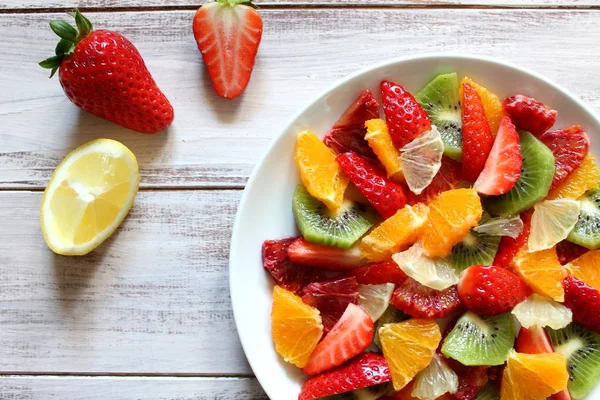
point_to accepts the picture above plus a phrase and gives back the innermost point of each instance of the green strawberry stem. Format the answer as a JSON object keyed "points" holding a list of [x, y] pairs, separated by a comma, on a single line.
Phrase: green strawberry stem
{"points": [[69, 37], [233, 3]]}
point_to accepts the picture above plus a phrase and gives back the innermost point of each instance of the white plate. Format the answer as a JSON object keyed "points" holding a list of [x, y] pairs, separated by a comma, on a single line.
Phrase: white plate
{"points": [[265, 211]]}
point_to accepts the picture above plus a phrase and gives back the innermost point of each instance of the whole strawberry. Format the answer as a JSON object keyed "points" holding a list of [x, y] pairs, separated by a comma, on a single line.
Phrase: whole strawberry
{"points": [[103, 73], [491, 290]]}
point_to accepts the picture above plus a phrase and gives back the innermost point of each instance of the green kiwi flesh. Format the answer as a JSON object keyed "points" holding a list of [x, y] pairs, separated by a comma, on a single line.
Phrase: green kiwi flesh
{"points": [[440, 99], [340, 229], [586, 232], [533, 185], [475, 249], [369, 393], [476, 340], [489, 391], [581, 348]]}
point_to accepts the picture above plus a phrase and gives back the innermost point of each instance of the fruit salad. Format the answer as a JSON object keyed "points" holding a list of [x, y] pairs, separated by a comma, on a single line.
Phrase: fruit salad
{"points": [[449, 248]]}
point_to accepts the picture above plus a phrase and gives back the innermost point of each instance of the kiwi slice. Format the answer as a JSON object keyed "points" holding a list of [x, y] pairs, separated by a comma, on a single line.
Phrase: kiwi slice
{"points": [[533, 185], [440, 99], [581, 348], [369, 393], [475, 249], [476, 340], [489, 391], [586, 232], [390, 316], [341, 228]]}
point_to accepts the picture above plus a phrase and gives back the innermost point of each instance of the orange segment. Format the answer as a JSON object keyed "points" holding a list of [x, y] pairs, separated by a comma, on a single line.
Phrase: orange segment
{"points": [[587, 268], [578, 182], [491, 104], [296, 327], [380, 141], [451, 217], [533, 376], [409, 347], [542, 271], [320, 173], [398, 231]]}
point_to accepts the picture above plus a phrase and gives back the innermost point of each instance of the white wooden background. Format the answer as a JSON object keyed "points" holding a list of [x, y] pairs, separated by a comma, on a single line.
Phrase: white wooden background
{"points": [[148, 315]]}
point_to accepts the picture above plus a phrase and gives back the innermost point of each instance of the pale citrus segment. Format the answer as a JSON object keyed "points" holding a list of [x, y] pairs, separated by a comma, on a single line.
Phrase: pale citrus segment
{"points": [[542, 271], [551, 222], [409, 347], [435, 380], [319, 171], [435, 273], [542, 311], [501, 226], [296, 327], [578, 182], [451, 216], [375, 299], [380, 141], [88, 196], [587, 268], [492, 105], [533, 376], [421, 160], [398, 231]]}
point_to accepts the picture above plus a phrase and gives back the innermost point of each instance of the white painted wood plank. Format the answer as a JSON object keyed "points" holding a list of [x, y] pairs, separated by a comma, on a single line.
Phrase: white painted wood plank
{"points": [[128, 388], [153, 299], [215, 142]]}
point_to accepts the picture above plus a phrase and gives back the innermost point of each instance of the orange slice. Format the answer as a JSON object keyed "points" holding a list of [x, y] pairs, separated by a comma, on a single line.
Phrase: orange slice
{"points": [[542, 271], [533, 376], [320, 173], [296, 327], [578, 182], [380, 141], [409, 347], [393, 234], [587, 268], [492, 105], [451, 217]]}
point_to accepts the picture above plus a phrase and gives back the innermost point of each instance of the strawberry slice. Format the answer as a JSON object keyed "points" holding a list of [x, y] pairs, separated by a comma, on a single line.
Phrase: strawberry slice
{"points": [[287, 274], [568, 251], [368, 369], [331, 298], [509, 247], [470, 379], [490, 290], [406, 119], [419, 301], [529, 114], [379, 273], [350, 336], [386, 196], [569, 146], [503, 166], [348, 133], [584, 301], [477, 135], [319, 255], [228, 33], [447, 178]]}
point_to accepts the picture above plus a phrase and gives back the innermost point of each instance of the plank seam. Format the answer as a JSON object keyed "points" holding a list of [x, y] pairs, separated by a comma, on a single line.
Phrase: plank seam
{"points": [[144, 189], [125, 375]]}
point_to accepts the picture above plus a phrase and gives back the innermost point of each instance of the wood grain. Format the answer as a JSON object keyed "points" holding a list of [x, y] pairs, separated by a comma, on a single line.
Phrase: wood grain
{"points": [[128, 388], [215, 142], [153, 299]]}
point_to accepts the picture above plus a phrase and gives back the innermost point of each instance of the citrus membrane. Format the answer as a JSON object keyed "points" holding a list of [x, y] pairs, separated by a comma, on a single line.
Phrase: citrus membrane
{"points": [[375, 299], [435, 273], [542, 311], [501, 226], [435, 380], [551, 222], [421, 159]]}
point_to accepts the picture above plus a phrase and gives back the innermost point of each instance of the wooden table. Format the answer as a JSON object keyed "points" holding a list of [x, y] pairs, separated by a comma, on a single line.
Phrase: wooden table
{"points": [[147, 315]]}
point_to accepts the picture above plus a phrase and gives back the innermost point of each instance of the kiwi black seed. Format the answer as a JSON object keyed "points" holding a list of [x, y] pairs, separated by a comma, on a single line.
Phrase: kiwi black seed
{"points": [[533, 185], [475, 249], [476, 340], [369, 393], [581, 348], [440, 98], [586, 232], [340, 229]]}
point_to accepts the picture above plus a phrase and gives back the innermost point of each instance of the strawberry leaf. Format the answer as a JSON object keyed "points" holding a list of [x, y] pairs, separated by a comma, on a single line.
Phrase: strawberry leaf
{"points": [[64, 47], [52, 63], [83, 24], [64, 30]]}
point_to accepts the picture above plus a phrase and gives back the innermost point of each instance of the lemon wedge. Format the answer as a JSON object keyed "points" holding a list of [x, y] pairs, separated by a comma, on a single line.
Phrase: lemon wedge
{"points": [[88, 196]]}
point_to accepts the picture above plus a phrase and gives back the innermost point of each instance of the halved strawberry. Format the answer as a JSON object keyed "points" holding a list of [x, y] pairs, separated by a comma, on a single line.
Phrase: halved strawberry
{"points": [[379, 273], [406, 119], [368, 369], [331, 298], [470, 379], [319, 255], [228, 33], [447, 178], [350, 336], [529, 114], [503, 166], [287, 274], [419, 301], [477, 135], [348, 133], [569, 146], [568, 251], [386, 196], [509, 246], [584, 301]]}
